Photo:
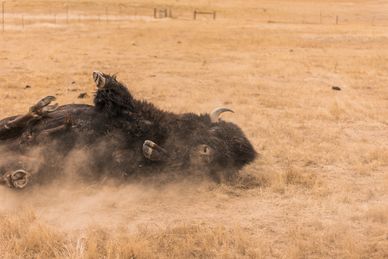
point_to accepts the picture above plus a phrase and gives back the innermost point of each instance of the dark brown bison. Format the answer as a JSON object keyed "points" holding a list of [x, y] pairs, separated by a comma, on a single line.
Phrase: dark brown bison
{"points": [[125, 136]]}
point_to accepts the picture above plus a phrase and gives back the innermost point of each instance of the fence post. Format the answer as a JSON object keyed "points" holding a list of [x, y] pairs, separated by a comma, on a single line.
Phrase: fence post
{"points": [[67, 14], [337, 20], [3, 12], [155, 13], [214, 15], [120, 6], [195, 14]]}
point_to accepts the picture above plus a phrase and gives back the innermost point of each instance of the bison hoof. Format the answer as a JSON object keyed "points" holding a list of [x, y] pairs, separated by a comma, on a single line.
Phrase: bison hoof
{"points": [[153, 151], [17, 179], [42, 107]]}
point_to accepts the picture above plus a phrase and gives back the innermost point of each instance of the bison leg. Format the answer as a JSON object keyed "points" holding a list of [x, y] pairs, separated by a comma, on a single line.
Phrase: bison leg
{"points": [[153, 151], [17, 179], [36, 111], [42, 108]]}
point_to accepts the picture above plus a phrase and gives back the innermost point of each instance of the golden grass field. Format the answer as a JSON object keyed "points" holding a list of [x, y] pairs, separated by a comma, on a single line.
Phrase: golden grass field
{"points": [[320, 186]]}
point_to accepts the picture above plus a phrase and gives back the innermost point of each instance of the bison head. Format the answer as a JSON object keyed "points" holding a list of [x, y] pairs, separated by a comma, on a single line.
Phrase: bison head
{"points": [[207, 143]]}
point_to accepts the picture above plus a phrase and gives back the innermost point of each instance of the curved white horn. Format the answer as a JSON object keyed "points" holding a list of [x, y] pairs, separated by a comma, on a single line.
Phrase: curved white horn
{"points": [[215, 114], [99, 79]]}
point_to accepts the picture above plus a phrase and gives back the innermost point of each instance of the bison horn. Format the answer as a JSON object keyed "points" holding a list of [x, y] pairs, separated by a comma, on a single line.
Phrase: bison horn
{"points": [[99, 79], [215, 114]]}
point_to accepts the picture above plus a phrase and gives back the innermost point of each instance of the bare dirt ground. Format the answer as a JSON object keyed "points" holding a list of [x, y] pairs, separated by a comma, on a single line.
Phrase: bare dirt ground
{"points": [[320, 186]]}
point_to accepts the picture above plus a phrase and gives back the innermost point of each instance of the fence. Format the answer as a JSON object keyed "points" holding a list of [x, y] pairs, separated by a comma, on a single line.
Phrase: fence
{"points": [[198, 12], [56, 13]]}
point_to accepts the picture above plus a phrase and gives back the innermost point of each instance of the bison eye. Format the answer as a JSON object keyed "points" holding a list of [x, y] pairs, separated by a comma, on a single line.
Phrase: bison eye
{"points": [[204, 150]]}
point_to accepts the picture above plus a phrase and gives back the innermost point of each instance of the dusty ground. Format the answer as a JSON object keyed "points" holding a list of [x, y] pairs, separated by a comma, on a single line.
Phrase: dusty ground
{"points": [[320, 187]]}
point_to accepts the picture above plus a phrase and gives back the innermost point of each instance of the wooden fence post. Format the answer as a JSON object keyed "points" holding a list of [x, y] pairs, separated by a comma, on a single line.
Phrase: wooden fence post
{"points": [[3, 12], [67, 14], [106, 14]]}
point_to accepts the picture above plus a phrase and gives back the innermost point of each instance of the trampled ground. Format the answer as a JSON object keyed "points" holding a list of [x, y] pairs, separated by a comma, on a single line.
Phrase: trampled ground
{"points": [[320, 186]]}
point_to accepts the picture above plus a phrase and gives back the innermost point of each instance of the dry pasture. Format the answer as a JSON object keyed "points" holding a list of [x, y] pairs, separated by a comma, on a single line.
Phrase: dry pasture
{"points": [[320, 186]]}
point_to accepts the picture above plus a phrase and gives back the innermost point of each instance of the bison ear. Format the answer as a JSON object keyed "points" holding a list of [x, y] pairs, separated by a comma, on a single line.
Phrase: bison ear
{"points": [[99, 79]]}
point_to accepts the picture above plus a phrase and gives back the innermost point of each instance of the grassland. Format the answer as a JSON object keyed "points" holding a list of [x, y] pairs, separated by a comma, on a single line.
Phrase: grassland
{"points": [[320, 186]]}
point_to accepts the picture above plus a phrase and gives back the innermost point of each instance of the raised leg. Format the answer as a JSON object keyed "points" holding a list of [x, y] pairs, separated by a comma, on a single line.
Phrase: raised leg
{"points": [[37, 111]]}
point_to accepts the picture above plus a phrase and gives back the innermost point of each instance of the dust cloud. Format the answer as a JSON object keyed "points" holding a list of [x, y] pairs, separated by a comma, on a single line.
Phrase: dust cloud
{"points": [[76, 198]]}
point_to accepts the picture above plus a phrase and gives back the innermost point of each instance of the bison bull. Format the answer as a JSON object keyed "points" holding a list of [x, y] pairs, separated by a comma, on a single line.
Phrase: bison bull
{"points": [[126, 137]]}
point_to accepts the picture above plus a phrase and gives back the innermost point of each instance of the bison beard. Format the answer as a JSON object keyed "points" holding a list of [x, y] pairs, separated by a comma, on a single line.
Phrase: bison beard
{"points": [[125, 136]]}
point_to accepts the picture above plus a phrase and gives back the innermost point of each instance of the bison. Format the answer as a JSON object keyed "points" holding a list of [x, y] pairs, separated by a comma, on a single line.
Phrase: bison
{"points": [[125, 136]]}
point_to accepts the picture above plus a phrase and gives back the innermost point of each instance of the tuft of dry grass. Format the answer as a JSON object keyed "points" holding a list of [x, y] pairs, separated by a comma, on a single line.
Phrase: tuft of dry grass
{"points": [[300, 178], [23, 236], [335, 242]]}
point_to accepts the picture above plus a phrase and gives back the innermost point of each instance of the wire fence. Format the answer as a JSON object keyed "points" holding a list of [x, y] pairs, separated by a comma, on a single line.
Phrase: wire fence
{"points": [[14, 15]]}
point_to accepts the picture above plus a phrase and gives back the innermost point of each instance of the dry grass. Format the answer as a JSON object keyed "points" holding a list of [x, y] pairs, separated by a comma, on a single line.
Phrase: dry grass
{"points": [[319, 189], [23, 237]]}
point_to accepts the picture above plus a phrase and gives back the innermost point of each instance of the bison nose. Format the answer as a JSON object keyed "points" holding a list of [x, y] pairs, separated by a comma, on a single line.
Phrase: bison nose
{"points": [[99, 79]]}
